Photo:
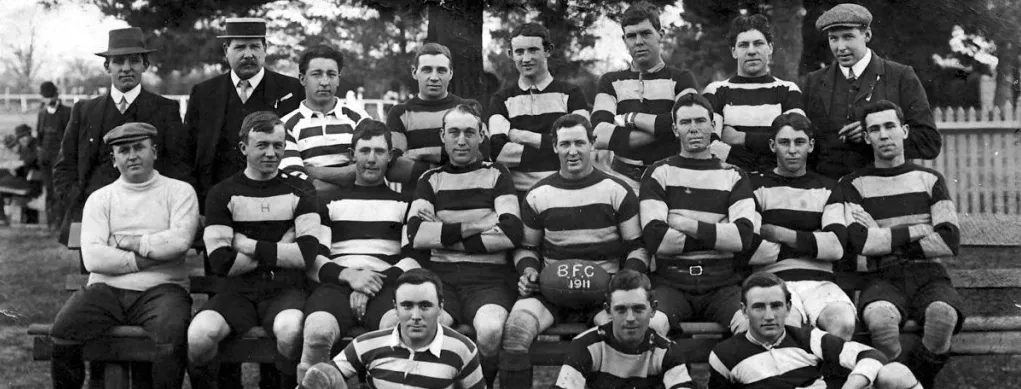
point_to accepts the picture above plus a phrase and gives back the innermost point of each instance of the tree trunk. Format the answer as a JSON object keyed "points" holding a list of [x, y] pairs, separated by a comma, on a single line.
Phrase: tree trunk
{"points": [[787, 17], [457, 24]]}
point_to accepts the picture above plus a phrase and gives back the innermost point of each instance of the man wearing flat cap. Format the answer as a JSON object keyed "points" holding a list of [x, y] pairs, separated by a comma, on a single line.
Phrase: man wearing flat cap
{"points": [[85, 162], [135, 234], [217, 106], [835, 97]]}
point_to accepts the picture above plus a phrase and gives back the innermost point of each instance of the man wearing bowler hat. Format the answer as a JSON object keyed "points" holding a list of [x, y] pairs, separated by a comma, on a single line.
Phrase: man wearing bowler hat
{"points": [[217, 106], [85, 162], [835, 97]]}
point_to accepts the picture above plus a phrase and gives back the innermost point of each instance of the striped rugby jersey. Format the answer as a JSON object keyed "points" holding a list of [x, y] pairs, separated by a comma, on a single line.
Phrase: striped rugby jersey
{"points": [[421, 122], [531, 108], [741, 362], [719, 198], [812, 206], [463, 194], [593, 218], [596, 360], [901, 199], [366, 224], [264, 211], [653, 93], [319, 140], [749, 104], [450, 361]]}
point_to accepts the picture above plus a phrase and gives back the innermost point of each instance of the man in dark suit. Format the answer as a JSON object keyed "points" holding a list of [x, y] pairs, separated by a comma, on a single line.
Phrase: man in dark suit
{"points": [[50, 125], [217, 106], [835, 97], [85, 162]]}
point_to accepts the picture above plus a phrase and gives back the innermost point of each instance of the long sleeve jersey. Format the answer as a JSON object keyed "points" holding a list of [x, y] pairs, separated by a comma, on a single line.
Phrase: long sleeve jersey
{"points": [[812, 206], [164, 211], [317, 139], [901, 199], [597, 360]]}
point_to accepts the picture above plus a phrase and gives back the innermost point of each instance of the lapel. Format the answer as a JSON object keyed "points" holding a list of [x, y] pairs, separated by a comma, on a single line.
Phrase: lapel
{"points": [[146, 107], [217, 108], [269, 94], [94, 123], [828, 79], [869, 88]]}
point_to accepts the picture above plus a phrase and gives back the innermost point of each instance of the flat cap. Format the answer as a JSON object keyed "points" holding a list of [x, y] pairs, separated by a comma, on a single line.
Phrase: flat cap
{"points": [[129, 132], [844, 15]]}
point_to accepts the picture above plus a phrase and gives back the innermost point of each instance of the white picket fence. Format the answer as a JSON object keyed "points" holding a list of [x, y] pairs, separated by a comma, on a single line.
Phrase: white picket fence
{"points": [[980, 157]]}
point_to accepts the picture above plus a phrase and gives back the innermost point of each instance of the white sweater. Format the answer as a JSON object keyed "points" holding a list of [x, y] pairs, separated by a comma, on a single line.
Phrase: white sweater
{"points": [[164, 211]]}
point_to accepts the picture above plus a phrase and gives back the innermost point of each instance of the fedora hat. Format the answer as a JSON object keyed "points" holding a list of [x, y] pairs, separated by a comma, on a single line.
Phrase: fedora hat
{"points": [[125, 41], [244, 28]]}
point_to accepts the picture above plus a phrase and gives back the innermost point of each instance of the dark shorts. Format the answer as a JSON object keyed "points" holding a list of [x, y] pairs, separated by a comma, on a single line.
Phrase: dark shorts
{"points": [[163, 311], [717, 305], [564, 314], [469, 286], [336, 300], [911, 287], [245, 310]]}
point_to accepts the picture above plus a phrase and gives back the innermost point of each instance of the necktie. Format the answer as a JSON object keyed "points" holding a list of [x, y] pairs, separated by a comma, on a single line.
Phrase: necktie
{"points": [[123, 105], [851, 78], [243, 87]]}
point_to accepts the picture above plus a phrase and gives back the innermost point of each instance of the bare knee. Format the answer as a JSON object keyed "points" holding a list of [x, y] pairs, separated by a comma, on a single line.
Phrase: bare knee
{"points": [[390, 320], [205, 332], [488, 325], [895, 376], [321, 329], [738, 323], [838, 319], [287, 330], [659, 323]]}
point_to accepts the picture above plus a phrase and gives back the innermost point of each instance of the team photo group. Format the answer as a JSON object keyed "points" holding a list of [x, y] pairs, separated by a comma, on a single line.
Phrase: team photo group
{"points": [[433, 248]]}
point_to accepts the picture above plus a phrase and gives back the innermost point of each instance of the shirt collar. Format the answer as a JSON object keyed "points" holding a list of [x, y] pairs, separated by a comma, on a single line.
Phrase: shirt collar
{"points": [[130, 95], [541, 86], [748, 334], [253, 81], [662, 64], [436, 347], [308, 112], [860, 66]]}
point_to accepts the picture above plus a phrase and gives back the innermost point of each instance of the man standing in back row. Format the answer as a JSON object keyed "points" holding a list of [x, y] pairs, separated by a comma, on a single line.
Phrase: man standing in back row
{"points": [[835, 97], [631, 113], [217, 106]]}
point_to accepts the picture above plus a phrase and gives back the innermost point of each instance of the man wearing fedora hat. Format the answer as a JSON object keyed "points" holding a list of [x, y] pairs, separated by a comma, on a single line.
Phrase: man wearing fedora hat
{"points": [[217, 106], [135, 234], [835, 97], [85, 162]]}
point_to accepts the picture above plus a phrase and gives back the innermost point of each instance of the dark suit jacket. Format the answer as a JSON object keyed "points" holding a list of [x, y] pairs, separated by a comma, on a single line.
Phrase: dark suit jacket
{"points": [[80, 146], [49, 144], [883, 80], [206, 110]]}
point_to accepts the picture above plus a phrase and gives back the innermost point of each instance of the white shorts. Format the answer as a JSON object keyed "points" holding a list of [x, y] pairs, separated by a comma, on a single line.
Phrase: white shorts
{"points": [[809, 298]]}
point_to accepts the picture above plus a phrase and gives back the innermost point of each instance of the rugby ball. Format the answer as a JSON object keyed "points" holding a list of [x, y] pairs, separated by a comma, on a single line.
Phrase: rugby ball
{"points": [[574, 283]]}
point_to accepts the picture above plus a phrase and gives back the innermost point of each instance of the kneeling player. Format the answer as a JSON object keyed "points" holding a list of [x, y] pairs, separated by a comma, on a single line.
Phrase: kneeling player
{"points": [[901, 217], [772, 355], [578, 213], [467, 214], [366, 220], [262, 229], [625, 353], [803, 230]]}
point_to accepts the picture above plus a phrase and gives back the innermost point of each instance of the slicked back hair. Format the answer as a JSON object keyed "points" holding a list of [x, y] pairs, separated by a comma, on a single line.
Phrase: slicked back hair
{"points": [[433, 48], [629, 279], [532, 29], [571, 120], [690, 100], [763, 279], [261, 121], [419, 276]]}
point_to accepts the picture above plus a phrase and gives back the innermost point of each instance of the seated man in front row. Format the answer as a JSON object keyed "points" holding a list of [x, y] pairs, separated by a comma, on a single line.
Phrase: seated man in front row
{"points": [[135, 233], [419, 352], [262, 230], [625, 353], [901, 217], [803, 230], [357, 282], [773, 355], [467, 214], [576, 213]]}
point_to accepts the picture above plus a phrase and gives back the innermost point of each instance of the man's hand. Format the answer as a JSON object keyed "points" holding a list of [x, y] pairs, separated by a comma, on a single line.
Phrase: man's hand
{"points": [[856, 381], [427, 215], [620, 120], [852, 133], [528, 283], [732, 136], [359, 301], [323, 376], [125, 242], [244, 244], [684, 224], [363, 280], [864, 218]]}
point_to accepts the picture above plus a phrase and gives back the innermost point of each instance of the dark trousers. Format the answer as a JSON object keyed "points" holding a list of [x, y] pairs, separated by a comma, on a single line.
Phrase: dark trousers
{"points": [[163, 311]]}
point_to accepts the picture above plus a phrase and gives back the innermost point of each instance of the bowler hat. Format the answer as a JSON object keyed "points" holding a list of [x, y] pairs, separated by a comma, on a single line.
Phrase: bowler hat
{"points": [[125, 41], [22, 130], [244, 28], [47, 89], [129, 132]]}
